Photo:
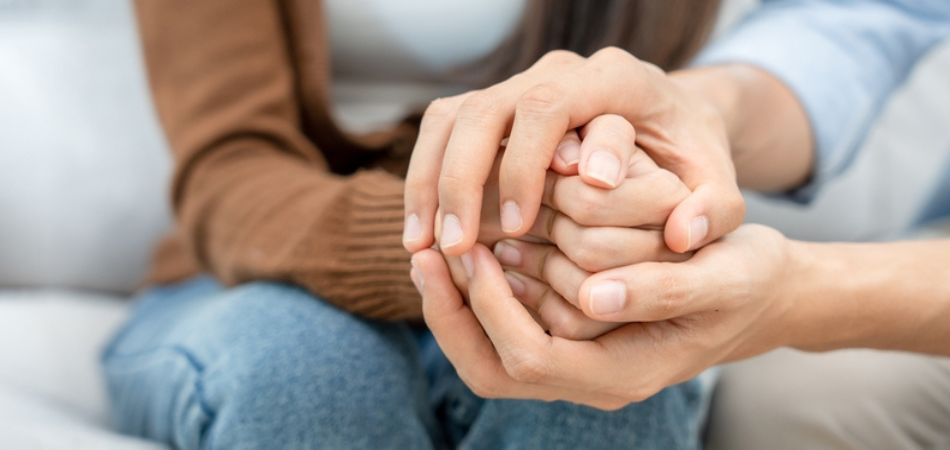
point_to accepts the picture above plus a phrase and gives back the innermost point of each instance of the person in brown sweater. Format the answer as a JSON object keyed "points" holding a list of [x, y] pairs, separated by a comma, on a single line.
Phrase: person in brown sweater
{"points": [[280, 312]]}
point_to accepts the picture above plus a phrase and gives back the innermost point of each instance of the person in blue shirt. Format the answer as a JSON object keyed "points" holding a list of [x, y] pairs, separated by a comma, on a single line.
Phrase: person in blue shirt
{"points": [[781, 104]]}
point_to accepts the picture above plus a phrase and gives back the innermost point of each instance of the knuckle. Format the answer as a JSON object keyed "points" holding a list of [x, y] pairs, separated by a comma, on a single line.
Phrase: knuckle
{"points": [[673, 295], [525, 368], [590, 250], [479, 107], [584, 214], [673, 184], [543, 99], [418, 184], [453, 180], [559, 57], [586, 209], [737, 205], [543, 258], [481, 386], [440, 108], [550, 225], [619, 130], [649, 69], [550, 187], [565, 327], [611, 55], [668, 191], [616, 59]]}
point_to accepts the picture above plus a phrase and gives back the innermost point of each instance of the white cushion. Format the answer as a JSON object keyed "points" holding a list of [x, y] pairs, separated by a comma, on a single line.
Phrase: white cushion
{"points": [[84, 167], [52, 394], [27, 422]]}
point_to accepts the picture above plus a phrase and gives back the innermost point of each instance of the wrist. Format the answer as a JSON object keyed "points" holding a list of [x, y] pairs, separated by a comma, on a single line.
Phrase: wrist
{"points": [[829, 296], [768, 130], [790, 320], [799, 288], [842, 297], [720, 90]]}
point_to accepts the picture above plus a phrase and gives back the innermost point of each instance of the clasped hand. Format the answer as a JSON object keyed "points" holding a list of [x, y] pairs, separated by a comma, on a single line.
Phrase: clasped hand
{"points": [[602, 234]]}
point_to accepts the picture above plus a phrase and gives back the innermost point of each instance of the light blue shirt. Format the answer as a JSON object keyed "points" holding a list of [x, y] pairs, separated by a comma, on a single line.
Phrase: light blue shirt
{"points": [[842, 59]]}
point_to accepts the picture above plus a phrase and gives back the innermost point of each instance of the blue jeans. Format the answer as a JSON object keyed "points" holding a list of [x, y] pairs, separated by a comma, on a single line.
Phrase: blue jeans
{"points": [[270, 366]]}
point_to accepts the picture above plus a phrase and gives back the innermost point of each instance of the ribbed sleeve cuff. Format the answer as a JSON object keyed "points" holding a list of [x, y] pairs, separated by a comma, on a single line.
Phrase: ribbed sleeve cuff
{"points": [[374, 266]]}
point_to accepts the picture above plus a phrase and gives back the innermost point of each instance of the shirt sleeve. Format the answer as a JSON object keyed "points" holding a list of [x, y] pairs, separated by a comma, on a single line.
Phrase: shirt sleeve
{"points": [[841, 58]]}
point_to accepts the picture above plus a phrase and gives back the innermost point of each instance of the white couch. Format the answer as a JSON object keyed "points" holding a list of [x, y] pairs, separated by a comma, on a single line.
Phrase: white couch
{"points": [[85, 52], [71, 78]]}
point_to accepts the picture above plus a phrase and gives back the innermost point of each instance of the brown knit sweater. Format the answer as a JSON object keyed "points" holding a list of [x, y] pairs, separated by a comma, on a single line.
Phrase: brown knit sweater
{"points": [[266, 186]]}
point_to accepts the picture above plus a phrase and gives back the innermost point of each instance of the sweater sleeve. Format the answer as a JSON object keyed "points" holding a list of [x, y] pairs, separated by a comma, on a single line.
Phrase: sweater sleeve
{"points": [[253, 196]]}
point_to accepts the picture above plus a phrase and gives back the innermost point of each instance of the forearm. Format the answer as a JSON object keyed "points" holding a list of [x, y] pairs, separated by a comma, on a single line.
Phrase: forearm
{"points": [[888, 296], [841, 60], [769, 133], [250, 214]]}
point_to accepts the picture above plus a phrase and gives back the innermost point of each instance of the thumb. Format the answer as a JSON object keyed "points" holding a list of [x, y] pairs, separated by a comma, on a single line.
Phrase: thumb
{"points": [[710, 212], [452, 323]]}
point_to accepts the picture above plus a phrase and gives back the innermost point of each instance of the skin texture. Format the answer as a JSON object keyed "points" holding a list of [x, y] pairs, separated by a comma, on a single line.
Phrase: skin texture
{"points": [[768, 130], [743, 295], [581, 224], [667, 318], [459, 140]]}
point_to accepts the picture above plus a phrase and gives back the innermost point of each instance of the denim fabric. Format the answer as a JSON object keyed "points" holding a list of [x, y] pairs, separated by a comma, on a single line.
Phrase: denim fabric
{"points": [[269, 366]]}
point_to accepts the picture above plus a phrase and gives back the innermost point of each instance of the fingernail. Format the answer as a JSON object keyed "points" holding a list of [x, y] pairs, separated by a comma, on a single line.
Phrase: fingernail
{"points": [[607, 297], [416, 275], [569, 152], [698, 227], [510, 217], [468, 263], [604, 166], [413, 230], [517, 286], [451, 231], [507, 254]]}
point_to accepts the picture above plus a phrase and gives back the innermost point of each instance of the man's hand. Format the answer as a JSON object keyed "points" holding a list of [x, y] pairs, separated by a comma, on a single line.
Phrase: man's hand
{"points": [[723, 304], [592, 227], [460, 136]]}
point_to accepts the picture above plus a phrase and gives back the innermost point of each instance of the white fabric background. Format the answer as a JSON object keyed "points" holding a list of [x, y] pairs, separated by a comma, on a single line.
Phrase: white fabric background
{"points": [[83, 165], [71, 78]]}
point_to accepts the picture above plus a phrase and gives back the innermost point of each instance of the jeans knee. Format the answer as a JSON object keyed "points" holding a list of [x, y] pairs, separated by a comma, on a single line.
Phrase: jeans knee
{"points": [[282, 336], [299, 357], [266, 362], [665, 420]]}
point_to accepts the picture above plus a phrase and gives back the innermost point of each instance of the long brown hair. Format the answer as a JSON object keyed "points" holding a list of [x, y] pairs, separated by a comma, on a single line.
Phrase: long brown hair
{"points": [[664, 32]]}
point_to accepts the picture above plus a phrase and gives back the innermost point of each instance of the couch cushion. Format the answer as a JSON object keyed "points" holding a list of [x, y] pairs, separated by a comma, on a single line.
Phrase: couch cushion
{"points": [[50, 344], [51, 388], [84, 167]]}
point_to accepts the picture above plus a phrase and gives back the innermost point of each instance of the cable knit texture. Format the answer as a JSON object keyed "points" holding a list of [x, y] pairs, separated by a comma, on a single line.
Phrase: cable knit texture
{"points": [[266, 186]]}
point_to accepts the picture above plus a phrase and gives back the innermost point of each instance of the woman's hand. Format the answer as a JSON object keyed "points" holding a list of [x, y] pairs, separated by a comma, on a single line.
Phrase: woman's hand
{"points": [[725, 303], [460, 136], [594, 230], [548, 282], [464, 341]]}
